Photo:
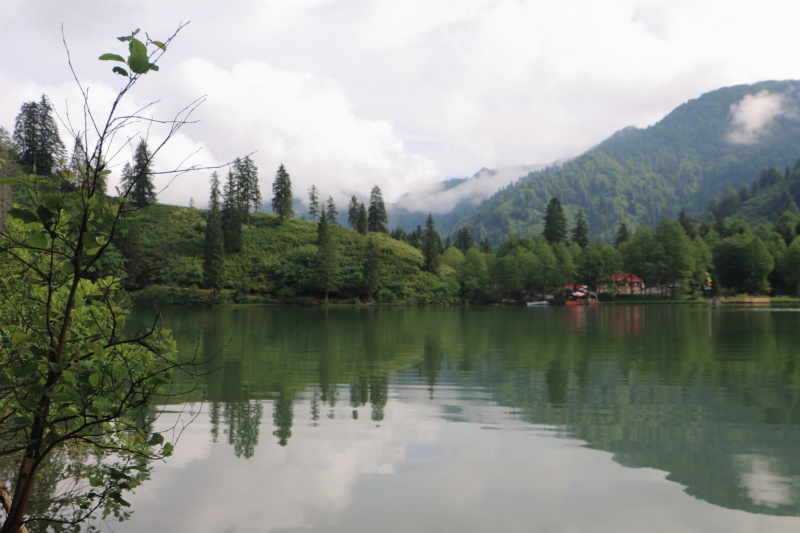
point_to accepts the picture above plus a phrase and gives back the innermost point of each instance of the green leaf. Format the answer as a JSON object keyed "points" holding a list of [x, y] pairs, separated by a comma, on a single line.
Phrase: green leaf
{"points": [[69, 377], [45, 215], [95, 481], [137, 48], [160, 45], [58, 367], [121, 71], [36, 239], [13, 181], [24, 370], [139, 63], [37, 389], [156, 439], [24, 215], [18, 338], [112, 57], [154, 67]]}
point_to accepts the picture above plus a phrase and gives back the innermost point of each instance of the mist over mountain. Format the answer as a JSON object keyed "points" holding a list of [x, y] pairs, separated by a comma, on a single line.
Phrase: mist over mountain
{"points": [[456, 195], [637, 176]]}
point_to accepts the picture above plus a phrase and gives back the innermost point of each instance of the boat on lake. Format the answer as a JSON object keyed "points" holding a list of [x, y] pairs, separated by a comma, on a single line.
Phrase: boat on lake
{"points": [[537, 303], [575, 298]]}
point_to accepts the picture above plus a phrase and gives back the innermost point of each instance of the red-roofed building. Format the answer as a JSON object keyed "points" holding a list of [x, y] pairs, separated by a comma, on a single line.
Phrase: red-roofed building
{"points": [[627, 283]]}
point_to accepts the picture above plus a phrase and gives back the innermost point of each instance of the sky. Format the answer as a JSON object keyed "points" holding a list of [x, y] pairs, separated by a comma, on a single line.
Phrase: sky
{"points": [[349, 94]]}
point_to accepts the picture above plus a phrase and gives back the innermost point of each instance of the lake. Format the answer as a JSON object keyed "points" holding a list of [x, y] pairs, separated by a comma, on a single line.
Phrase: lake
{"points": [[658, 418]]}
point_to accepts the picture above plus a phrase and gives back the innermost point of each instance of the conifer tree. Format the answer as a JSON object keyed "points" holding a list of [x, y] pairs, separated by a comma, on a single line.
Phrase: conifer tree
{"points": [[376, 214], [330, 211], [249, 195], [371, 270], [79, 160], [580, 233], [232, 216], [36, 137], [137, 182], [622, 235], [213, 260], [313, 203], [326, 258], [555, 223], [464, 240], [687, 224], [432, 248], [282, 194], [362, 222], [352, 212]]}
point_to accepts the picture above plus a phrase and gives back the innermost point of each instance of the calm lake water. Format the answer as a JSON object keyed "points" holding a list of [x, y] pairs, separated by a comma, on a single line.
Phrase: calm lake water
{"points": [[655, 418]]}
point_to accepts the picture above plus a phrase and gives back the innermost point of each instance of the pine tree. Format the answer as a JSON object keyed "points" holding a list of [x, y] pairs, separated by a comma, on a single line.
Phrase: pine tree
{"points": [[313, 203], [376, 214], [417, 238], [352, 212], [232, 216], [326, 258], [362, 222], [213, 260], [555, 223], [249, 194], [36, 137], [137, 180], [371, 270], [580, 233], [464, 240], [432, 248], [282, 194], [330, 211], [622, 235], [687, 224]]}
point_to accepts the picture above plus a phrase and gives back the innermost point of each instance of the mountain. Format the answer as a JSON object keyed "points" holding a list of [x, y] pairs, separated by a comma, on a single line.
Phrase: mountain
{"points": [[639, 176], [455, 196]]}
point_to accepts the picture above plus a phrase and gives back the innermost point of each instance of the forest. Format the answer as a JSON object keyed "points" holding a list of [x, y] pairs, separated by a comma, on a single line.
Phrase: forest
{"points": [[691, 160], [235, 252]]}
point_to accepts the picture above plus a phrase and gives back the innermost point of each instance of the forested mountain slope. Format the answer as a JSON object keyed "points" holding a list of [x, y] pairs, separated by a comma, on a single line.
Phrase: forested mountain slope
{"points": [[638, 176]]}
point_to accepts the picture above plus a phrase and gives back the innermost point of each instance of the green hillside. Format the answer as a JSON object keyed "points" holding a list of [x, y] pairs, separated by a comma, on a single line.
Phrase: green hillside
{"points": [[278, 262], [639, 176]]}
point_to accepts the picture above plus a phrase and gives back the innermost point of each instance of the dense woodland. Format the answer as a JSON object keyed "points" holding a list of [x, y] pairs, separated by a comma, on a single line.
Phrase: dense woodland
{"points": [[234, 252], [639, 176]]}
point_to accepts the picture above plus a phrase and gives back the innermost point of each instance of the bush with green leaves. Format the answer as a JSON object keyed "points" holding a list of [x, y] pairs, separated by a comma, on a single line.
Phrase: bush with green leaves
{"points": [[76, 381]]}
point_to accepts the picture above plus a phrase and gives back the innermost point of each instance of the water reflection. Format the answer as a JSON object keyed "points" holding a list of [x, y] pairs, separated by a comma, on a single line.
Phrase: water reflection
{"points": [[396, 408]]}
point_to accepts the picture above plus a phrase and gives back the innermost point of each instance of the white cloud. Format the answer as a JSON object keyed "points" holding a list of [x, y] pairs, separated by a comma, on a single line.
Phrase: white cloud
{"points": [[351, 93], [303, 121], [436, 199], [753, 115]]}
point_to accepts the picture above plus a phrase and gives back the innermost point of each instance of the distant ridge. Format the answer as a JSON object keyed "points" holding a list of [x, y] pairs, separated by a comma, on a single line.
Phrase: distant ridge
{"points": [[722, 139]]}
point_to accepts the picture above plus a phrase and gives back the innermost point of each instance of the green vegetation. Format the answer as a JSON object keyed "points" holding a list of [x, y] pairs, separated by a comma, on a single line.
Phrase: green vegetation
{"points": [[77, 380], [303, 261], [640, 176]]}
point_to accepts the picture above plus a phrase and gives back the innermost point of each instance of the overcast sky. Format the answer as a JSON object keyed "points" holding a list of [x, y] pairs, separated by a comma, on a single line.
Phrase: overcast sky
{"points": [[399, 93]]}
